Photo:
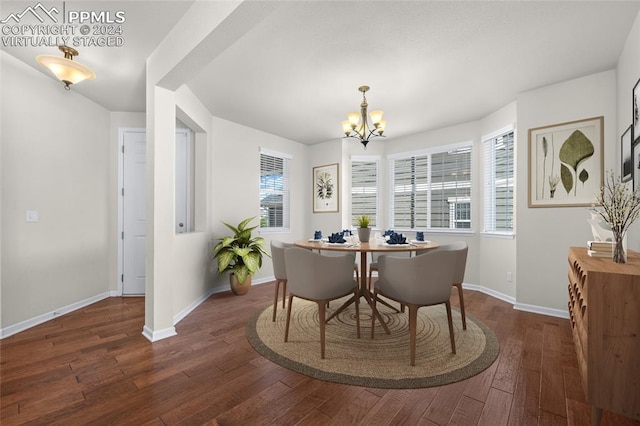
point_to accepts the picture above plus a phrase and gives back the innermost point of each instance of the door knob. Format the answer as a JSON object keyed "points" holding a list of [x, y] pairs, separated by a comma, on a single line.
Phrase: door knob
{"points": [[181, 225]]}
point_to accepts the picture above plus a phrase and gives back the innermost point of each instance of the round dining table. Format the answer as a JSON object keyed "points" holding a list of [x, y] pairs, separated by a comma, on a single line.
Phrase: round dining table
{"points": [[364, 248]]}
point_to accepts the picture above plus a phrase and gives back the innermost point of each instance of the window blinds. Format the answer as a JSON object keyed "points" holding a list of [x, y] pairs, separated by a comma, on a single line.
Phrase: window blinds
{"points": [[498, 183], [432, 190], [274, 190], [364, 190]]}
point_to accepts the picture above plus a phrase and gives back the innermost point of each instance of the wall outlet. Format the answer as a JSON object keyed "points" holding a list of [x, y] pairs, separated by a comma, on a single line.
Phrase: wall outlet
{"points": [[509, 277]]}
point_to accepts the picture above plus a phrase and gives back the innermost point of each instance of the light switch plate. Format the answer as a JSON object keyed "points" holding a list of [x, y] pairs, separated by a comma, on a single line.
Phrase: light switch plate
{"points": [[32, 216]]}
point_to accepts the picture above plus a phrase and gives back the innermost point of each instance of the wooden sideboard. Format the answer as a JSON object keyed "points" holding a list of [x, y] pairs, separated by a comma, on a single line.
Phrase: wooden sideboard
{"points": [[604, 309]]}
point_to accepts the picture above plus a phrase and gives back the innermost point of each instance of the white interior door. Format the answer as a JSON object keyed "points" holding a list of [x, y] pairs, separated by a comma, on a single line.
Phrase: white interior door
{"points": [[133, 256]]}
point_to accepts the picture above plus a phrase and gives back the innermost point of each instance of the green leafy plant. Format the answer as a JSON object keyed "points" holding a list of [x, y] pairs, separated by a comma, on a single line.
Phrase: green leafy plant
{"points": [[240, 253], [363, 221]]}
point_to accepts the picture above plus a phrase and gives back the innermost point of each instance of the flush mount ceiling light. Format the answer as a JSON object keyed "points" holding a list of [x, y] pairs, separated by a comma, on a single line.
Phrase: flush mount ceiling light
{"points": [[65, 69], [357, 125]]}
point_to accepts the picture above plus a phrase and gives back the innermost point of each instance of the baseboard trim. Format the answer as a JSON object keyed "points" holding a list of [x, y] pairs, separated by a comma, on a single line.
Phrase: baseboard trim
{"points": [[541, 310], [490, 292], [154, 336], [186, 311], [32, 322]]}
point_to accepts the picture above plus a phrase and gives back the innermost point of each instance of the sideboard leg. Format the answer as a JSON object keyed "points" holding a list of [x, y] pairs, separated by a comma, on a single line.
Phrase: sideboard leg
{"points": [[596, 415]]}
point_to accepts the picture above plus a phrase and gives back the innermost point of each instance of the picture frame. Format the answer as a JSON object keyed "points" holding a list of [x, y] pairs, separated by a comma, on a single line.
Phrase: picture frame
{"points": [[635, 156], [566, 163], [635, 112], [626, 166], [326, 189]]}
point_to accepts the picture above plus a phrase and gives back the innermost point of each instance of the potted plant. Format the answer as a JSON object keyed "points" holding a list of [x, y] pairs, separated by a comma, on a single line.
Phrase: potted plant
{"points": [[363, 228], [241, 254], [619, 208]]}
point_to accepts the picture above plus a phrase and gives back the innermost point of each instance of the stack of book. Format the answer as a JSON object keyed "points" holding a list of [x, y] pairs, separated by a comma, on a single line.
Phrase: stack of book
{"points": [[600, 248]]}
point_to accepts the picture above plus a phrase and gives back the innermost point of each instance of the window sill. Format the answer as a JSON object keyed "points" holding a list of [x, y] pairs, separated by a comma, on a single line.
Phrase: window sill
{"points": [[499, 235], [468, 232], [274, 231]]}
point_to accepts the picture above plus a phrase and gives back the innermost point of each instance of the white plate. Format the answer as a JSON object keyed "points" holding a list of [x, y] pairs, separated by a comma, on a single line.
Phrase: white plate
{"points": [[420, 242], [336, 244], [395, 245]]}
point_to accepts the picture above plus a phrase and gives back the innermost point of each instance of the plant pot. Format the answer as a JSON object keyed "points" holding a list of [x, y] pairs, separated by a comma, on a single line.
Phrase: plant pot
{"points": [[237, 288], [363, 234], [619, 249]]}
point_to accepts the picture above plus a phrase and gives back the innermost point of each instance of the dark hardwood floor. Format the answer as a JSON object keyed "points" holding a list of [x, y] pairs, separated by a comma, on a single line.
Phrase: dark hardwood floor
{"points": [[93, 366]]}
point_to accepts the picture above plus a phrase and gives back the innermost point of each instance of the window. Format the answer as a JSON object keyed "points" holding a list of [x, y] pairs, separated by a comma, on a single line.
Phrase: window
{"points": [[432, 189], [274, 191], [498, 182], [364, 189]]}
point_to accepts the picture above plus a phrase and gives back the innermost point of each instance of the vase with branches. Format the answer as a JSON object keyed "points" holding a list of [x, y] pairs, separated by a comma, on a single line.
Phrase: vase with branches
{"points": [[619, 208]]}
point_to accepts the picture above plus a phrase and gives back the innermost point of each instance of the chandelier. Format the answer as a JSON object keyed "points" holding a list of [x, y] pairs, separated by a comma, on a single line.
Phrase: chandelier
{"points": [[66, 69], [357, 125]]}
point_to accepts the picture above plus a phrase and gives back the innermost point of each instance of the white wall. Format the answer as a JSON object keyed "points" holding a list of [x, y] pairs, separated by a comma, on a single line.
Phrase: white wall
{"points": [[54, 146], [545, 234], [236, 178], [628, 73], [496, 255]]}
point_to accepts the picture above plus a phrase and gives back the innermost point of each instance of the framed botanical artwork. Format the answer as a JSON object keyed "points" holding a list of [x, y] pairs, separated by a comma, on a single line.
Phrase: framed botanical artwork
{"points": [[566, 163], [635, 108], [625, 148], [635, 156], [326, 189]]}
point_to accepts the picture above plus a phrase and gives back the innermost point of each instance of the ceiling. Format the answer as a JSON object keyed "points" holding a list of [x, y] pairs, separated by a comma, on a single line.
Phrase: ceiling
{"points": [[429, 64]]}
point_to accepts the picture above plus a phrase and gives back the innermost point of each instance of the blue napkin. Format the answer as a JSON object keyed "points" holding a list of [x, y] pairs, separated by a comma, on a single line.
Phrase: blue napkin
{"points": [[388, 232], [317, 235], [347, 232], [397, 239], [337, 238], [420, 236]]}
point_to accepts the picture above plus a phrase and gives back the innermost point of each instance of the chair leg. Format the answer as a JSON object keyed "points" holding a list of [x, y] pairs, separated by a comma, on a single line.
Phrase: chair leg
{"points": [[275, 300], [357, 312], [284, 292], [451, 336], [286, 328], [373, 313], [461, 297], [413, 320], [322, 314]]}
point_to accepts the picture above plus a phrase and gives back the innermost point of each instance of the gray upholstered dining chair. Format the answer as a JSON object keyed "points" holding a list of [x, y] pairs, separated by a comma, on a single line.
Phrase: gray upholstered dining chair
{"points": [[342, 253], [460, 248], [416, 282], [279, 272], [312, 276], [373, 264]]}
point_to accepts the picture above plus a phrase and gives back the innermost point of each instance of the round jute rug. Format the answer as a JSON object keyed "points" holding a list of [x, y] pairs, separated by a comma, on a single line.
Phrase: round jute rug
{"points": [[382, 362]]}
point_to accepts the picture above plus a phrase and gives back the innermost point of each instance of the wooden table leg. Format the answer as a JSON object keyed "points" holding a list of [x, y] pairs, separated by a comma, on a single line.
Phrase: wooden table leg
{"points": [[342, 308], [362, 292]]}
